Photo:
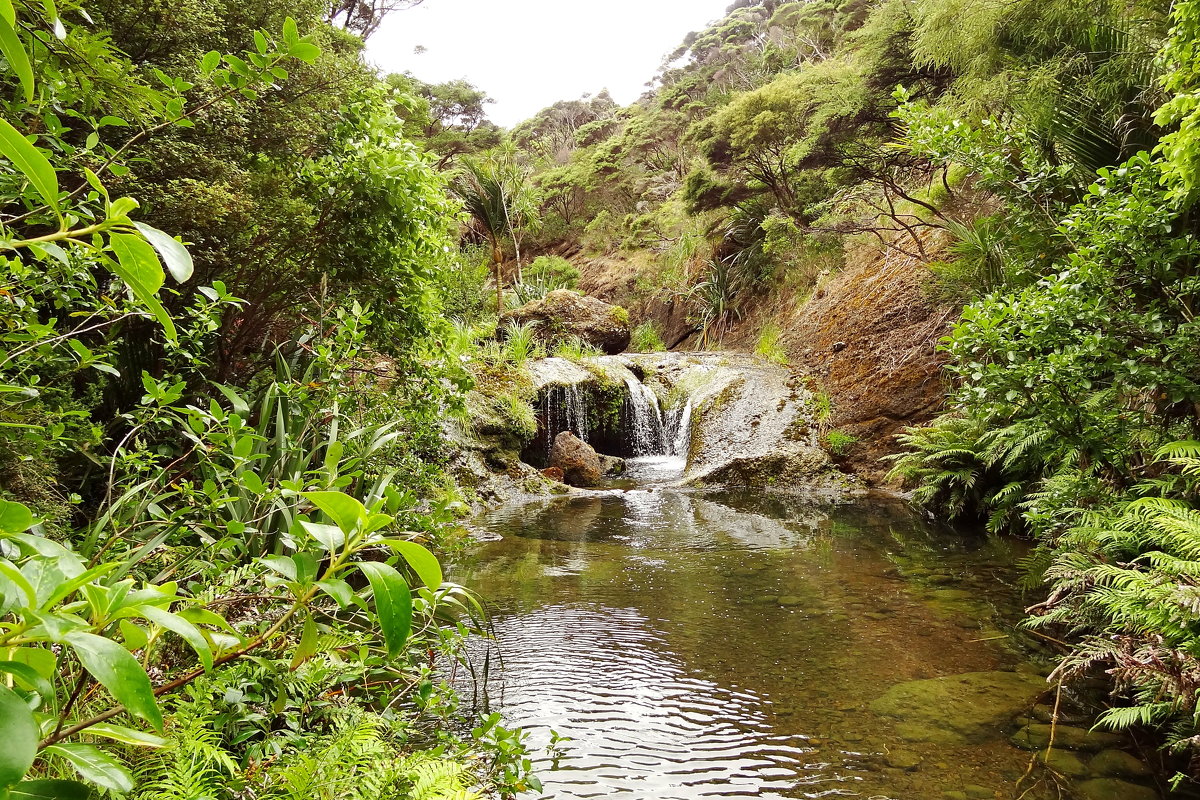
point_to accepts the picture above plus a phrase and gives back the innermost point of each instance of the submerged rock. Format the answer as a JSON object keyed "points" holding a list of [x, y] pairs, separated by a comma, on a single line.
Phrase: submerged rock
{"points": [[1113, 789], [580, 464], [903, 759], [958, 709], [1118, 764], [1064, 762], [562, 314], [1039, 736]]}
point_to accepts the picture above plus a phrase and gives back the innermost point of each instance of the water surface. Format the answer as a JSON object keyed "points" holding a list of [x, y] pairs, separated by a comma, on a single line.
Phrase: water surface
{"points": [[727, 644]]}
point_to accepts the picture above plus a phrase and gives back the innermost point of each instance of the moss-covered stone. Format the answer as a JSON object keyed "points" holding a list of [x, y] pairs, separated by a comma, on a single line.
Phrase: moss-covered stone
{"points": [[1113, 789], [958, 709], [1063, 762], [1118, 764], [1040, 736]]}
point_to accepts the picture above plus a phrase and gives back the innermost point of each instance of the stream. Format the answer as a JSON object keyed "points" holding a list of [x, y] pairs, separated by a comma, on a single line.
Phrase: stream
{"points": [[730, 643]]}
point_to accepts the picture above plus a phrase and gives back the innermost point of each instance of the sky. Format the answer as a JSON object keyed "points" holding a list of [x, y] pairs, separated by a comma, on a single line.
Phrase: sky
{"points": [[527, 54]]}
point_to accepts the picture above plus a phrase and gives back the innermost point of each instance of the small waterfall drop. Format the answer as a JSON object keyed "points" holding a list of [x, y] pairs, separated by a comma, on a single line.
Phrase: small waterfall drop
{"points": [[565, 409], [610, 408], [677, 429], [645, 419]]}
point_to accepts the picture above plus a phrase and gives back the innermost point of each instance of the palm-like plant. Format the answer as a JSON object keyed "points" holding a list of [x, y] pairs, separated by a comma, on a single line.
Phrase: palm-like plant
{"points": [[496, 193]]}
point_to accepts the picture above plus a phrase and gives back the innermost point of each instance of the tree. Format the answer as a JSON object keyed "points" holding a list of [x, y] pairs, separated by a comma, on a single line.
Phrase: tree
{"points": [[450, 118], [497, 194]]}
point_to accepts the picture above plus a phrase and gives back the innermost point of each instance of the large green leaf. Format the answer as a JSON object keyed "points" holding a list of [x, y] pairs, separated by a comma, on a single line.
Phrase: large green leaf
{"points": [[30, 161], [120, 673], [423, 562], [186, 631], [29, 676], [14, 517], [50, 790], [19, 735], [95, 765], [18, 60], [119, 733], [343, 509], [330, 537], [138, 265], [393, 603], [174, 255]]}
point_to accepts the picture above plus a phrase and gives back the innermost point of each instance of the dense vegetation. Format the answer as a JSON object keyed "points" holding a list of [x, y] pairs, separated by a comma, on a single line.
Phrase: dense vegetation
{"points": [[221, 484]]}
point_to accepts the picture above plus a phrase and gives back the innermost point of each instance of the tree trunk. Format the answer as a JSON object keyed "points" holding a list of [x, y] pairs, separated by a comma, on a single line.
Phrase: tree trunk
{"points": [[497, 260]]}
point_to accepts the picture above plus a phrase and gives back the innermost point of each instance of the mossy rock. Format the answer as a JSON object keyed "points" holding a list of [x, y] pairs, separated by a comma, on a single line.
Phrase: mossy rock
{"points": [[1113, 789], [1118, 764], [958, 709], [1039, 736], [1063, 762]]}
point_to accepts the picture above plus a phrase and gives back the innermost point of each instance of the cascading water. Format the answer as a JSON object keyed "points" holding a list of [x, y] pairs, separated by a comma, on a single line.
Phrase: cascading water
{"points": [[645, 419], [565, 409], [677, 428], [581, 402]]}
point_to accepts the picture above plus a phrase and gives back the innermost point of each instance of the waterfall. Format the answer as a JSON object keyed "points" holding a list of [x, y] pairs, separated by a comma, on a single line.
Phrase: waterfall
{"points": [[578, 403], [565, 409], [677, 429], [644, 419]]}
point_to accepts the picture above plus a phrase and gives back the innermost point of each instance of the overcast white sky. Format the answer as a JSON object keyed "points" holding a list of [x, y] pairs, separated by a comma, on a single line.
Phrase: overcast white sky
{"points": [[526, 54]]}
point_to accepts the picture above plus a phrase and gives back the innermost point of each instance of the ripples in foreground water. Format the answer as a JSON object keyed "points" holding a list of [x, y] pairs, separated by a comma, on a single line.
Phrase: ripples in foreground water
{"points": [[728, 645]]}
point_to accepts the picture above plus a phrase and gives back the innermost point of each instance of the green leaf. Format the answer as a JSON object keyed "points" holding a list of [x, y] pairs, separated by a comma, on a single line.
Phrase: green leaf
{"points": [[423, 562], [7, 12], [290, 34], [211, 60], [305, 51], [174, 255], [30, 161], [95, 765], [19, 733], [19, 581], [18, 60], [120, 673], [50, 790], [14, 517], [337, 589], [236, 401], [308, 643], [186, 631], [119, 733], [393, 604], [139, 267], [29, 676], [330, 537], [343, 509]]}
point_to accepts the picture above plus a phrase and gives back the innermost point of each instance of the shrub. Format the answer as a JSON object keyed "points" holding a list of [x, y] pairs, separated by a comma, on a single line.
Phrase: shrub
{"points": [[646, 339], [838, 442], [768, 345]]}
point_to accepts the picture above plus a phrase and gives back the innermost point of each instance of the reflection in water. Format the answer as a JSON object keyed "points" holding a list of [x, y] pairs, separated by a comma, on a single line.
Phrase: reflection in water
{"points": [[699, 645]]}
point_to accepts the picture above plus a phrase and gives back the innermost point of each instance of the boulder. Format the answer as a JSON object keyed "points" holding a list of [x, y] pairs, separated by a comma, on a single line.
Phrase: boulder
{"points": [[1118, 764], [1113, 789], [579, 463], [958, 709], [553, 474], [562, 314], [1038, 737], [1064, 762]]}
